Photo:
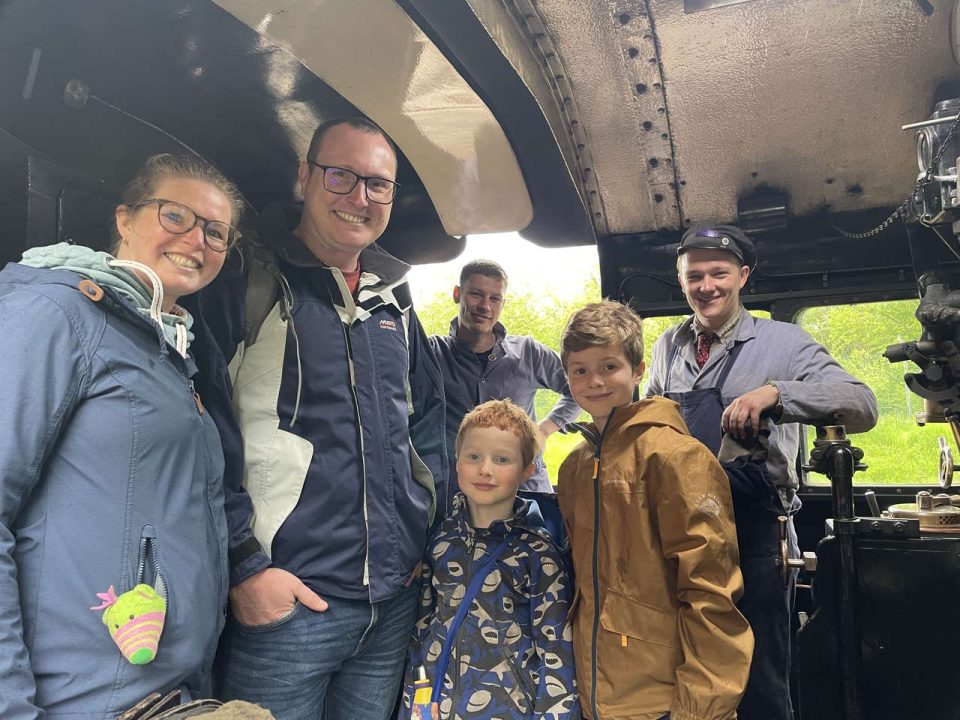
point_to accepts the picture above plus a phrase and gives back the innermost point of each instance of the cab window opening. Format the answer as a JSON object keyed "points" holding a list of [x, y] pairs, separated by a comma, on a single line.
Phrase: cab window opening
{"points": [[856, 336]]}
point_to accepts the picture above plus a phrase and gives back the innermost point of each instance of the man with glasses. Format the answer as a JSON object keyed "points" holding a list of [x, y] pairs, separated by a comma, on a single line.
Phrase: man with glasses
{"points": [[744, 385], [338, 401]]}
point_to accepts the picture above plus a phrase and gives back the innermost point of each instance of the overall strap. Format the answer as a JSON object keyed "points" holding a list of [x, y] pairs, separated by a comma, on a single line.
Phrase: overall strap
{"points": [[473, 588], [673, 357]]}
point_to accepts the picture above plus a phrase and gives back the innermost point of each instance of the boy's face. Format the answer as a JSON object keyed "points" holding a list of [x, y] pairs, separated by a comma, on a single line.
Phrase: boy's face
{"points": [[601, 379], [489, 470]]}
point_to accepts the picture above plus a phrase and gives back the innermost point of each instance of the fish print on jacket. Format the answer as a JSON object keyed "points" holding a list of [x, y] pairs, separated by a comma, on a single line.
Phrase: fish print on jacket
{"points": [[513, 655]]}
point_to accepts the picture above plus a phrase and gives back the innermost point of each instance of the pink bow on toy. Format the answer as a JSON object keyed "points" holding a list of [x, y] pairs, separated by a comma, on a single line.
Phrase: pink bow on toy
{"points": [[109, 598]]}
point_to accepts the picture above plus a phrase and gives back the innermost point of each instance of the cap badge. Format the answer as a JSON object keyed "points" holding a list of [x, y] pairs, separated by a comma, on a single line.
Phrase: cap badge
{"points": [[724, 241]]}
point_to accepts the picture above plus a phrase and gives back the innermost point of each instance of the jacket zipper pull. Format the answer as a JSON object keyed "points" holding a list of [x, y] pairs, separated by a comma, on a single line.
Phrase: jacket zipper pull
{"points": [[596, 467], [196, 399]]}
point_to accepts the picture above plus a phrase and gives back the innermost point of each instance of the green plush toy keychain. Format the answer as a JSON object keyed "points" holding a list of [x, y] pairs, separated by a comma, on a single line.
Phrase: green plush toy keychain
{"points": [[135, 621]]}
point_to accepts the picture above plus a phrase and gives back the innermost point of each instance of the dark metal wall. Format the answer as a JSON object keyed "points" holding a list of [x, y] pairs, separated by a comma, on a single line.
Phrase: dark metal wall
{"points": [[150, 77], [808, 263]]}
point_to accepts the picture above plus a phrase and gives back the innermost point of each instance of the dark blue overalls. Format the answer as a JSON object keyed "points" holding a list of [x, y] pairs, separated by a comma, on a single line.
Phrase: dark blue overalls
{"points": [[766, 603]]}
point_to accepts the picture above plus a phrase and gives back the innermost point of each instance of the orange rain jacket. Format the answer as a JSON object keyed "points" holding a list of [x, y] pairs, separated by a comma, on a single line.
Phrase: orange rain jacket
{"points": [[655, 553]]}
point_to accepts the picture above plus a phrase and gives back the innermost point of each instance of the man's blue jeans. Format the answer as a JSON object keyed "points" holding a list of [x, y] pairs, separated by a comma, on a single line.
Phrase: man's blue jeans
{"points": [[345, 663]]}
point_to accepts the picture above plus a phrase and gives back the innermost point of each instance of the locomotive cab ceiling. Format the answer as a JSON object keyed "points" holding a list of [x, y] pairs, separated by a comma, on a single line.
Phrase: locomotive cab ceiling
{"points": [[89, 90], [619, 122], [781, 115]]}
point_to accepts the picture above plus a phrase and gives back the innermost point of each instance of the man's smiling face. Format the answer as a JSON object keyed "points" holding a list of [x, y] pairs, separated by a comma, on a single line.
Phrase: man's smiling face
{"points": [[481, 302], [711, 281], [338, 227]]}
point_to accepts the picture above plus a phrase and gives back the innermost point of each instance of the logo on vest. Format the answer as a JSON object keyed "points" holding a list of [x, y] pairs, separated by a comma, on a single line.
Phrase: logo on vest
{"points": [[616, 484], [388, 325]]}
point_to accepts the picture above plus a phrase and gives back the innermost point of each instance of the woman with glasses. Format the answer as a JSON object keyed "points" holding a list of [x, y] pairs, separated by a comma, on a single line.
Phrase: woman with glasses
{"points": [[113, 559]]}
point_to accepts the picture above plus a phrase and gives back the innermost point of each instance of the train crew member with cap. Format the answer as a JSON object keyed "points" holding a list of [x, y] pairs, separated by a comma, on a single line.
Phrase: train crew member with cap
{"points": [[747, 383]]}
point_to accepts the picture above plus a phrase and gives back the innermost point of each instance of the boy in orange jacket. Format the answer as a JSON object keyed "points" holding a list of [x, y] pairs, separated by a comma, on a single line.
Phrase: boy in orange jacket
{"points": [[648, 511]]}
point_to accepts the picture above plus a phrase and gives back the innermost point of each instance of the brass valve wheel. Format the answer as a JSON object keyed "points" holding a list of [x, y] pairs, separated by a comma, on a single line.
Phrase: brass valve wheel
{"points": [[787, 564], [945, 464]]}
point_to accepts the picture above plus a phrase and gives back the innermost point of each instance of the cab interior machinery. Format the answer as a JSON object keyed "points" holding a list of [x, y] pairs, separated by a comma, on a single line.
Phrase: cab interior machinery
{"points": [[617, 123]]}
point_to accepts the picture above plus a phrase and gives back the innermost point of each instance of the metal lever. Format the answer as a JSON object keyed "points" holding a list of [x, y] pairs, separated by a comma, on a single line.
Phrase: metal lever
{"points": [[808, 562], [871, 498]]}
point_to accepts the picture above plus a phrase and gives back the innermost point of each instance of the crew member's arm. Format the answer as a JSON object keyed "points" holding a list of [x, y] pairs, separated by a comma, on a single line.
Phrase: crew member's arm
{"points": [[551, 593], [816, 388], [550, 375], [690, 495], [44, 373]]}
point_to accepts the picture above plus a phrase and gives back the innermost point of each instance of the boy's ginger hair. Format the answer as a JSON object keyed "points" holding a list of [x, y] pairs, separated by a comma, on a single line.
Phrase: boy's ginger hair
{"points": [[503, 415], [604, 323]]}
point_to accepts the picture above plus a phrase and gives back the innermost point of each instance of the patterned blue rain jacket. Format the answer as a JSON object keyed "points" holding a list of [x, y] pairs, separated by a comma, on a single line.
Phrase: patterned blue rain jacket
{"points": [[513, 655]]}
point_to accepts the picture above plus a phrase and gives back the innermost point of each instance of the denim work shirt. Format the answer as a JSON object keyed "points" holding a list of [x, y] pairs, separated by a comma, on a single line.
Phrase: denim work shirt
{"points": [[517, 367]]}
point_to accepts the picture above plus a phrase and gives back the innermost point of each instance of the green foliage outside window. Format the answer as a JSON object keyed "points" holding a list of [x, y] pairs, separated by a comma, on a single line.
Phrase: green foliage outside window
{"points": [[897, 451]]}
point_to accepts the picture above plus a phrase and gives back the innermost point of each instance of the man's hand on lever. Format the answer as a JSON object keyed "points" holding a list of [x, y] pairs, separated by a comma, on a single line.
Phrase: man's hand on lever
{"points": [[742, 417]]}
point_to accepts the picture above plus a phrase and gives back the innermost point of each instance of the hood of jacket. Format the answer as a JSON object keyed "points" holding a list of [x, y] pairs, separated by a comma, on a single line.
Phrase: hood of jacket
{"points": [[649, 412], [106, 271], [526, 517]]}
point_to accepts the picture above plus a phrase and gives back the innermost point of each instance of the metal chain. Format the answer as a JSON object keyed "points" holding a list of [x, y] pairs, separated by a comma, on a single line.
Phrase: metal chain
{"points": [[901, 211], [904, 207]]}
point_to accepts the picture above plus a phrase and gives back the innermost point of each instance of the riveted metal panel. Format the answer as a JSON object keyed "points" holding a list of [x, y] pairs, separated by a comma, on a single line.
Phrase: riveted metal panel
{"points": [[696, 110], [607, 60], [801, 95]]}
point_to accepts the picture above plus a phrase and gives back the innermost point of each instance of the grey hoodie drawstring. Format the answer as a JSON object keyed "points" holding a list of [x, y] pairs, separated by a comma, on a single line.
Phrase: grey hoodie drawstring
{"points": [[157, 301]]}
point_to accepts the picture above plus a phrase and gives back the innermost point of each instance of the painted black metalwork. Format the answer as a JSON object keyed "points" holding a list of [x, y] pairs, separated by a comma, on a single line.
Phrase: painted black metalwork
{"points": [[95, 87]]}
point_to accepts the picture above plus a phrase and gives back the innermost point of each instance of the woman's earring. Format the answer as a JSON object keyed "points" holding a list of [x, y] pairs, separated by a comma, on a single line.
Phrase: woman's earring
{"points": [[124, 241]]}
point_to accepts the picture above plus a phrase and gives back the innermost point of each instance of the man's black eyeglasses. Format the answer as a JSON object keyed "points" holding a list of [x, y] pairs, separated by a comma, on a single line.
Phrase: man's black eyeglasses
{"points": [[179, 219], [341, 181]]}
